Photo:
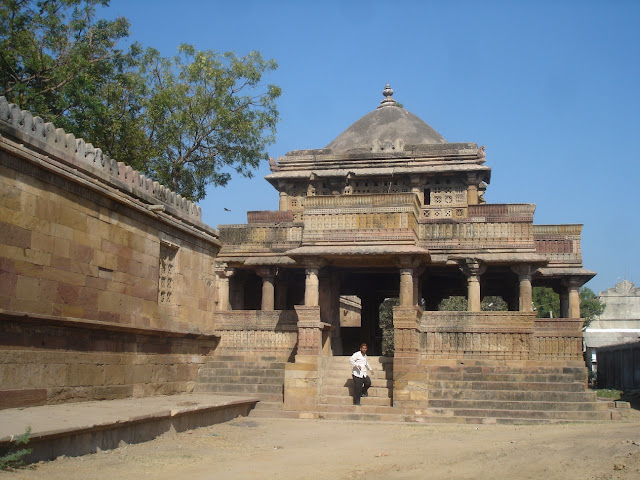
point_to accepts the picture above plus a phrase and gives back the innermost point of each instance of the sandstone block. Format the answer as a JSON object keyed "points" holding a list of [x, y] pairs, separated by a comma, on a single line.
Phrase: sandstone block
{"points": [[22, 398]]}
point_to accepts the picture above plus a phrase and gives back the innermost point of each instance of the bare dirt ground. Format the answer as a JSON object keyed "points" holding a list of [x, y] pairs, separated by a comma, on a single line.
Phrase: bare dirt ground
{"points": [[248, 448]]}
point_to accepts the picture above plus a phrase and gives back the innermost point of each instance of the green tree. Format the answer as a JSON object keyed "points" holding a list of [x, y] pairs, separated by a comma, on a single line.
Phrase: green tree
{"points": [[456, 303], [203, 114], [590, 305], [546, 302], [186, 122], [386, 324]]}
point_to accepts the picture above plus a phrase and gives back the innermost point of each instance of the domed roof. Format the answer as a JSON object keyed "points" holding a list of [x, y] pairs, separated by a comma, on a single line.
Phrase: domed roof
{"points": [[388, 128]]}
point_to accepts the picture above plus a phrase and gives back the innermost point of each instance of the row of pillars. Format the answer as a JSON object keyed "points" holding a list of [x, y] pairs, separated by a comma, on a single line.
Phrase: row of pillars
{"points": [[409, 291]]}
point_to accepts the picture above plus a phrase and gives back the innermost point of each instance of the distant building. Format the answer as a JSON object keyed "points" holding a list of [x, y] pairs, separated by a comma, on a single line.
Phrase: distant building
{"points": [[618, 324]]}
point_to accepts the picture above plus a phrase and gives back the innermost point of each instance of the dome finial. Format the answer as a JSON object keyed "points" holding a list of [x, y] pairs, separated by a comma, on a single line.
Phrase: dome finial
{"points": [[388, 101]]}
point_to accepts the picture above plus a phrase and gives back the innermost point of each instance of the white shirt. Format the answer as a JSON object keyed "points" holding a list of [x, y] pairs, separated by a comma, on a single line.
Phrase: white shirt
{"points": [[359, 360]]}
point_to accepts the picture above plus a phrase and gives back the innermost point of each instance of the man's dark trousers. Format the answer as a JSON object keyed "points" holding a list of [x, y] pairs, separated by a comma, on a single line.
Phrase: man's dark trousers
{"points": [[361, 385]]}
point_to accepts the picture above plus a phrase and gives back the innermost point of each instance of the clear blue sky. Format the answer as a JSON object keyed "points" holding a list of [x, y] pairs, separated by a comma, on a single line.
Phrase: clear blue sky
{"points": [[551, 88]]}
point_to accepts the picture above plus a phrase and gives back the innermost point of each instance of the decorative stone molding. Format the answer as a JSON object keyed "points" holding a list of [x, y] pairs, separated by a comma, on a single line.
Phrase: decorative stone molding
{"points": [[406, 324], [91, 159], [309, 330]]}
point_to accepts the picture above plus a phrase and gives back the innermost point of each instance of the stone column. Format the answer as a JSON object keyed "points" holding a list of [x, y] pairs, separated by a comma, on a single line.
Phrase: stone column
{"points": [[526, 293], [417, 272], [284, 201], [268, 290], [281, 293], [472, 190], [311, 287], [473, 269], [573, 285], [224, 274], [406, 287], [312, 283], [564, 303]]}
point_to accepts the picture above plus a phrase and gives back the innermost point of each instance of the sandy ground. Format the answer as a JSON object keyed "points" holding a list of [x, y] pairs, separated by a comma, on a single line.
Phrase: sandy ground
{"points": [[248, 448]]}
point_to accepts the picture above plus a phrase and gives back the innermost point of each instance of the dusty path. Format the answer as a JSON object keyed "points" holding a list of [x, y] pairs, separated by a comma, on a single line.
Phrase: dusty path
{"points": [[293, 449]]}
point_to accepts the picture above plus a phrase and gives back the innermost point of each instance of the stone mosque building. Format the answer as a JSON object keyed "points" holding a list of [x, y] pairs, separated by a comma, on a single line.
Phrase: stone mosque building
{"points": [[111, 286]]}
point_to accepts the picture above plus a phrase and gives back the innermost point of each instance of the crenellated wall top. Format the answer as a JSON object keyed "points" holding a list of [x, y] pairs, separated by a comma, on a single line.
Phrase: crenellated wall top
{"points": [[34, 131]]}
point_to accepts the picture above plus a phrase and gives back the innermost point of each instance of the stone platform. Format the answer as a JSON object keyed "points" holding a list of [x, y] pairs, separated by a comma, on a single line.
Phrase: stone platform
{"points": [[74, 429]]}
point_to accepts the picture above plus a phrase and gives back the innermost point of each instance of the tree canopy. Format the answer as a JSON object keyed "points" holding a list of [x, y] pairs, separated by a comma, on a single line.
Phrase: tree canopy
{"points": [[457, 303], [547, 303], [187, 121]]}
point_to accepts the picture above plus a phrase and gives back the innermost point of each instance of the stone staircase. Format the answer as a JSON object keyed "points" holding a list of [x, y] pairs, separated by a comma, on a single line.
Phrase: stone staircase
{"points": [[471, 393], [335, 400], [257, 376], [504, 394]]}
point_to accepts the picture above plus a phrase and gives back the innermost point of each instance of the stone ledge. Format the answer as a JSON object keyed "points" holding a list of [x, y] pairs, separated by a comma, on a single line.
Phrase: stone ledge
{"points": [[86, 427], [98, 325]]}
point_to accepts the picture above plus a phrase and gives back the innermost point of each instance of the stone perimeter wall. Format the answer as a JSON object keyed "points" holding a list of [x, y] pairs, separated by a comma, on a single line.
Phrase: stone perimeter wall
{"points": [[101, 296]]}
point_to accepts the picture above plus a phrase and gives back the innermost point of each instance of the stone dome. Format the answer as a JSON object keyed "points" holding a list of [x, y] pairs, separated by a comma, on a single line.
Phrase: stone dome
{"points": [[386, 129]]}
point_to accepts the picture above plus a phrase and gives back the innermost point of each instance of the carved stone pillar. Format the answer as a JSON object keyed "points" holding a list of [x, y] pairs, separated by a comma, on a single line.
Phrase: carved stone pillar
{"points": [[268, 290], [284, 201], [311, 287], [223, 274], [406, 287], [406, 331], [573, 287], [312, 283], [309, 330], [473, 269], [472, 190], [564, 303], [281, 293], [526, 292], [417, 272]]}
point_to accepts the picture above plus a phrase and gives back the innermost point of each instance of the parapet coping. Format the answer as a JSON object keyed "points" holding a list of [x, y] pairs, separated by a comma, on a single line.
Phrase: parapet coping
{"points": [[99, 325], [44, 136]]}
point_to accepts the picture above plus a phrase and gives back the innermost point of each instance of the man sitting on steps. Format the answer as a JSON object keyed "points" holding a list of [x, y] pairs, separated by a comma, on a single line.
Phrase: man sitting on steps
{"points": [[361, 380]]}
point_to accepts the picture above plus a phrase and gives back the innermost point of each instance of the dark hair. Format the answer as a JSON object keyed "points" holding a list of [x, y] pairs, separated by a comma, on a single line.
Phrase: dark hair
{"points": [[363, 344]]}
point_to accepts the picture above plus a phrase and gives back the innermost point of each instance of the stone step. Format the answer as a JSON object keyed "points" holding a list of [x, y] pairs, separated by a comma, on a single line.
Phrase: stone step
{"points": [[344, 391], [505, 377], [246, 358], [242, 372], [553, 370], [527, 386], [345, 381], [212, 377], [263, 397], [363, 408], [264, 405], [489, 420], [515, 405], [362, 416], [523, 415], [333, 376], [274, 414], [345, 360], [241, 388], [348, 400], [511, 395], [243, 364]]}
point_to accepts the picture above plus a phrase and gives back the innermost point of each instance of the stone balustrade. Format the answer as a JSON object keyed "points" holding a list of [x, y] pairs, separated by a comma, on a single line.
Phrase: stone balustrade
{"points": [[265, 235], [350, 201], [255, 331], [499, 336], [473, 233], [561, 244], [508, 211], [285, 320]]}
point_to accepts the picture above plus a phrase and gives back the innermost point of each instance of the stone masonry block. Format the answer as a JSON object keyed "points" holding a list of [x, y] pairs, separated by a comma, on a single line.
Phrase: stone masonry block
{"points": [[41, 242], [14, 236]]}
